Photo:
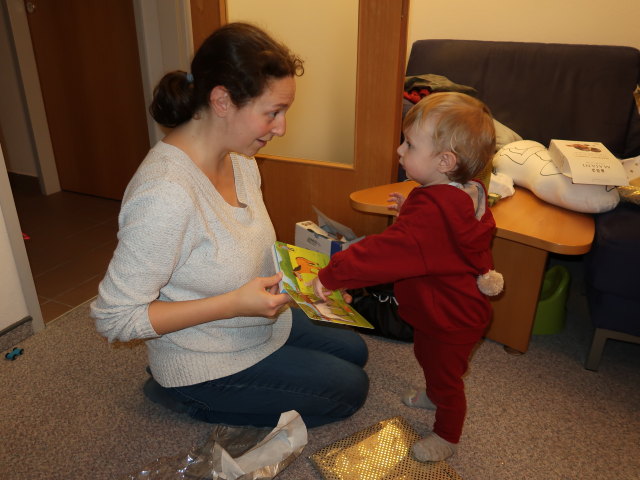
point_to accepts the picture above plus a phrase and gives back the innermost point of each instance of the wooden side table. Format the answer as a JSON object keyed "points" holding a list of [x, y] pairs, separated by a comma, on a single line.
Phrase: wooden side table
{"points": [[527, 230]]}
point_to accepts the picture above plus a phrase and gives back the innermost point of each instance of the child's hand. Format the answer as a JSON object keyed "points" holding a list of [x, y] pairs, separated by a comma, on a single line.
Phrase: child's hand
{"points": [[320, 291], [347, 297], [397, 200]]}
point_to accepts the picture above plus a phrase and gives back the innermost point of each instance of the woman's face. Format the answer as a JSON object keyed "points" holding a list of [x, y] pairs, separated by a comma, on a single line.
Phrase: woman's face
{"points": [[257, 122]]}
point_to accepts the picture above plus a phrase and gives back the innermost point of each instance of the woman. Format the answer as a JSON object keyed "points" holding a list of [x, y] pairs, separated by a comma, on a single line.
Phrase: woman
{"points": [[193, 274]]}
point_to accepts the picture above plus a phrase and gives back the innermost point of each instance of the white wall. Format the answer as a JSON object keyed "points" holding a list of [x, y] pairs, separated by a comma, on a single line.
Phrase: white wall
{"points": [[616, 22], [321, 122], [12, 302], [165, 43], [18, 298]]}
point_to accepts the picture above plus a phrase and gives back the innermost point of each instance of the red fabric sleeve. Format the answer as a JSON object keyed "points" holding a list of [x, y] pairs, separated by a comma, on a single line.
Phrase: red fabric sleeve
{"points": [[436, 233], [382, 258]]}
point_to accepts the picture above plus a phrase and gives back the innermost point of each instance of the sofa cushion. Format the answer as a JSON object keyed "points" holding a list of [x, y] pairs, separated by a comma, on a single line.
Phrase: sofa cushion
{"points": [[504, 135]]}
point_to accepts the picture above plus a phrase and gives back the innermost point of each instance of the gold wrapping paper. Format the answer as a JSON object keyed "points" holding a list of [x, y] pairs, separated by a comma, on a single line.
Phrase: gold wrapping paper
{"points": [[485, 175], [630, 194], [379, 452]]}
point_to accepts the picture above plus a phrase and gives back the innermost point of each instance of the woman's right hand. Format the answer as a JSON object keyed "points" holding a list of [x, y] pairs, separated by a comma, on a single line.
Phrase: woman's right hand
{"points": [[256, 298], [260, 297]]}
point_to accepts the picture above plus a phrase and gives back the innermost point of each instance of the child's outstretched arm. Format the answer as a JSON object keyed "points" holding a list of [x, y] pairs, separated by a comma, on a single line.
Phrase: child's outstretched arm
{"points": [[396, 199]]}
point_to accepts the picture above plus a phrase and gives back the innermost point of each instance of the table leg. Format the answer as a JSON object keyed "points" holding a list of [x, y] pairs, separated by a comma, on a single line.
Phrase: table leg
{"points": [[514, 310]]}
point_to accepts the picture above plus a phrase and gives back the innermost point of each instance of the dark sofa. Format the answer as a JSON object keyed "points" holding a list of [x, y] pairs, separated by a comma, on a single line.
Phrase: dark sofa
{"points": [[571, 92]]}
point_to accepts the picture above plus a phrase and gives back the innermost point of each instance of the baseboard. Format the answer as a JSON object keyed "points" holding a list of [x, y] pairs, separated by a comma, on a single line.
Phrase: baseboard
{"points": [[24, 183], [16, 333]]}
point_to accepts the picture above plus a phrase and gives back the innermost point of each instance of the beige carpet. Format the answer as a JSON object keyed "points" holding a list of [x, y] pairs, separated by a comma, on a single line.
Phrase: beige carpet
{"points": [[73, 408]]}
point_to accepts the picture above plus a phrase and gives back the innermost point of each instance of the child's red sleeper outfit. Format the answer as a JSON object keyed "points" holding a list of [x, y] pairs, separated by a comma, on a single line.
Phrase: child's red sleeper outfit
{"points": [[433, 253]]}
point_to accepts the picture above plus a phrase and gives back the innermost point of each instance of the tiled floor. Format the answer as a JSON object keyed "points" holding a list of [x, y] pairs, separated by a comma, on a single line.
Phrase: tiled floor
{"points": [[71, 240]]}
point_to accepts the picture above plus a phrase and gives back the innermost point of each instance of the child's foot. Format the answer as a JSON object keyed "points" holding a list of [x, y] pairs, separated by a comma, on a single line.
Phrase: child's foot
{"points": [[417, 399], [433, 448]]}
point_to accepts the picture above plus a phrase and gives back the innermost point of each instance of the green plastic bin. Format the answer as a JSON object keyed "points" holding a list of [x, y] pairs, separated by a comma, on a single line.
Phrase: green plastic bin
{"points": [[551, 311]]}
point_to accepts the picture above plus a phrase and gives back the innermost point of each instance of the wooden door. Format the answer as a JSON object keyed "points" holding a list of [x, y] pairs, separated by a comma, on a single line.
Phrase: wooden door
{"points": [[87, 57], [292, 186]]}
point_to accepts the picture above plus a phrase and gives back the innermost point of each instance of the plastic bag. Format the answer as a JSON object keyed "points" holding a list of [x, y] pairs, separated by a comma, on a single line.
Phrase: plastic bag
{"points": [[235, 453]]}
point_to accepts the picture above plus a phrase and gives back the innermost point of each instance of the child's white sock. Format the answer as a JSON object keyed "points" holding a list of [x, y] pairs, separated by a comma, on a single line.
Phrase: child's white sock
{"points": [[433, 448], [417, 399]]}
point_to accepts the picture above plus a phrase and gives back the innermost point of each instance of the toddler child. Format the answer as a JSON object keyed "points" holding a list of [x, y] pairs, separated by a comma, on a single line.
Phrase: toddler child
{"points": [[438, 255]]}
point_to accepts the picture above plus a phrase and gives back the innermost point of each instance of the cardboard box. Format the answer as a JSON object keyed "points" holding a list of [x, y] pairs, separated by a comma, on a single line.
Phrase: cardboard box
{"points": [[311, 236], [587, 162]]}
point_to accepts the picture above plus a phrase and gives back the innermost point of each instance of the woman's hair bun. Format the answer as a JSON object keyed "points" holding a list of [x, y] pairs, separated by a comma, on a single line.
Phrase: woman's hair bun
{"points": [[172, 102]]}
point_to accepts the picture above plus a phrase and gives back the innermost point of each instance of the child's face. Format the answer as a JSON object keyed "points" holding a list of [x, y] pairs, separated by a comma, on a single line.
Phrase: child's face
{"points": [[419, 158]]}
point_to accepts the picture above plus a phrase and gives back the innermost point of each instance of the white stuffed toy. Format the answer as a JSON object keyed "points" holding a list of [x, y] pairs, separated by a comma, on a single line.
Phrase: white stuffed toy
{"points": [[502, 185], [529, 165]]}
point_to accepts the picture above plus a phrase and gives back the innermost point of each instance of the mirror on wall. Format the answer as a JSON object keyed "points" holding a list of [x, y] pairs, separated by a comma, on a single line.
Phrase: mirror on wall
{"points": [[321, 122]]}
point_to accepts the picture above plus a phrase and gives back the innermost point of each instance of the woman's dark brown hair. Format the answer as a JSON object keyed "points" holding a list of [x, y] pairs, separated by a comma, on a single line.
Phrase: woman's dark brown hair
{"points": [[238, 56]]}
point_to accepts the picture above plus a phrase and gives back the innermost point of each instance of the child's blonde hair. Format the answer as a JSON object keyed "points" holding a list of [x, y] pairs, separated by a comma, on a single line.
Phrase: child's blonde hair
{"points": [[462, 125]]}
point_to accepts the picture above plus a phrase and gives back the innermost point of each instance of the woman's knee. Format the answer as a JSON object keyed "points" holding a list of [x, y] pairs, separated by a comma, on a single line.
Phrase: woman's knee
{"points": [[352, 383], [362, 353], [361, 386], [353, 347], [337, 340]]}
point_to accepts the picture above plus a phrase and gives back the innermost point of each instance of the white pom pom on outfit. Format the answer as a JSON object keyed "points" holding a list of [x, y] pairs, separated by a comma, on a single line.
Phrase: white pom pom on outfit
{"points": [[490, 283]]}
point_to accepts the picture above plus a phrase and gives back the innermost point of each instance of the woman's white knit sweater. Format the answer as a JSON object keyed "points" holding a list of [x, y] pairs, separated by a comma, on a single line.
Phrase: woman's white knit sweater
{"points": [[180, 240]]}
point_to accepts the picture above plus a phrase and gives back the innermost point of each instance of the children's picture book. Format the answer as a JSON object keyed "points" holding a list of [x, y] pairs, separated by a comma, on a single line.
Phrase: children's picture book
{"points": [[299, 267]]}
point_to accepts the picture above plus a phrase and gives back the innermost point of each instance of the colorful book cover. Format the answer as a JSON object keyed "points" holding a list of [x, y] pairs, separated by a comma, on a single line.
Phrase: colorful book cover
{"points": [[299, 267]]}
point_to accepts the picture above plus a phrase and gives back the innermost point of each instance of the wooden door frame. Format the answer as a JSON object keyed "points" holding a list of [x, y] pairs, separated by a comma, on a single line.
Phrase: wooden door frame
{"points": [[291, 186]]}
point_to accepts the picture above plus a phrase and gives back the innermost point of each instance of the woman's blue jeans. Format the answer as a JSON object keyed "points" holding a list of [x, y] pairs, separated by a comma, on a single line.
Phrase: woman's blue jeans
{"points": [[317, 372]]}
